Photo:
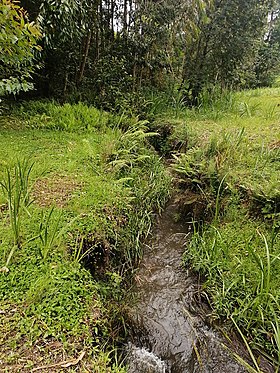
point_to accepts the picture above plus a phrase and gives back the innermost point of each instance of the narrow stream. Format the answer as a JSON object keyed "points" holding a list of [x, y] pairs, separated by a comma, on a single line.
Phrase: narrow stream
{"points": [[169, 334]]}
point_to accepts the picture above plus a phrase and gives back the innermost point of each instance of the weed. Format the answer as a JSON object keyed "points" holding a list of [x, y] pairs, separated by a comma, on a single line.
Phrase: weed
{"points": [[49, 232], [130, 149], [109, 206], [16, 189], [178, 104], [217, 203], [239, 251], [271, 112], [247, 345]]}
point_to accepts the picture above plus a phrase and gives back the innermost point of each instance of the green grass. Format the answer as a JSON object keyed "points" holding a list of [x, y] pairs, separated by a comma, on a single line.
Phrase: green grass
{"points": [[78, 192], [227, 151], [80, 210]]}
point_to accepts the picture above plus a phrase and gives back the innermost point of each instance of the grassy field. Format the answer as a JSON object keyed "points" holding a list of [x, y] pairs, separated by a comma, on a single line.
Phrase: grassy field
{"points": [[77, 191], [228, 169]]}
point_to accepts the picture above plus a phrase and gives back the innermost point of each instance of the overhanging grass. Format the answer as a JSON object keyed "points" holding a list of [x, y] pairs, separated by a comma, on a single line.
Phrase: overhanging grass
{"points": [[92, 192], [230, 155], [240, 261]]}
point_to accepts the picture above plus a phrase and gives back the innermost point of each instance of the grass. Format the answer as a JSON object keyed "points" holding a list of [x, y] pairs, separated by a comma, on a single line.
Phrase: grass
{"points": [[78, 191], [76, 201], [227, 151]]}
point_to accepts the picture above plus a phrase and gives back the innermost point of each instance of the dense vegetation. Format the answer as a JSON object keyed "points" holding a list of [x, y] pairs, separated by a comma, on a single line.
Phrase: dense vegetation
{"points": [[229, 172], [76, 198], [110, 52], [115, 85]]}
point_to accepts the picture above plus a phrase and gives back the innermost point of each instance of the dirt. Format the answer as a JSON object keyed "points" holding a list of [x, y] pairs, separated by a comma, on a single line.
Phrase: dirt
{"points": [[57, 190]]}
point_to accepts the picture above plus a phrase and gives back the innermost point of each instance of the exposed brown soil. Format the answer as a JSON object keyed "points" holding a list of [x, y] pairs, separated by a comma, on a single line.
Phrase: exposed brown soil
{"points": [[57, 190], [192, 206], [46, 355], [275, 145]]}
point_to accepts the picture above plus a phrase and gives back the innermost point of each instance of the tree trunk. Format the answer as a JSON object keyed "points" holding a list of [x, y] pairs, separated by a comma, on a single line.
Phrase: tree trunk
{"points": [[84, 58]]}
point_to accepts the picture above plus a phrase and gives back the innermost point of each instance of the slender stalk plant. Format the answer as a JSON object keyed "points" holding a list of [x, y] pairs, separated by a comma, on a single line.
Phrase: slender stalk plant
{"points": [[16, 189]]}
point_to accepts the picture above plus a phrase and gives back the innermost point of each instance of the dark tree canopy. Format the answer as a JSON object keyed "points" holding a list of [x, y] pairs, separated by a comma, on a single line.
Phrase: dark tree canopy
{"points": [[104, 50]]}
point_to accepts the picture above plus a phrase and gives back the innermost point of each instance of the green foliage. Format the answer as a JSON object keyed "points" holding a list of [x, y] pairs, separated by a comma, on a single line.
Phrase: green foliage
{"points": [[266, 66], [222, 45], [240, 259], [17, 51], [81, 233], [231, 162], [130, 149], [128, 47], [203, 167], [63, 22], [67, 117]]}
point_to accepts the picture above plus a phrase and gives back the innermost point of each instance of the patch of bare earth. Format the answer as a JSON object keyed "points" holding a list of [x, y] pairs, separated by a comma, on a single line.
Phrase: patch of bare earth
{"points": [[275, 145], [55, 191], [45, 355]]}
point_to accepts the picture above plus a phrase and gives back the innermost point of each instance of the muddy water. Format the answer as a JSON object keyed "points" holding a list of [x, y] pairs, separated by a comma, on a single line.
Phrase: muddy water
{"points": [[169, 334]]}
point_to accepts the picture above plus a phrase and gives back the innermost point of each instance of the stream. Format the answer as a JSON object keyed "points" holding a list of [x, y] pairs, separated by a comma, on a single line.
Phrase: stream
{"points": [[169, 333]]}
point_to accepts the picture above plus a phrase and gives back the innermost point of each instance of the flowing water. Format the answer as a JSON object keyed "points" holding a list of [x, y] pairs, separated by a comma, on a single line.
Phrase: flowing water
{"points": [[169, 334]]}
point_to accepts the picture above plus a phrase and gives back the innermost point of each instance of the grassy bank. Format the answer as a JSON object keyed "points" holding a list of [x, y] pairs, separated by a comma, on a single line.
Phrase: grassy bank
{"points": [[78, 190], [77, 195], [228, 168]]}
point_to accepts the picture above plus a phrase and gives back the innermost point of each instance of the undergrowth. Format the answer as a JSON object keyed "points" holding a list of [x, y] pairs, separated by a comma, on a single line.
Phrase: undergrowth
{"points": [[78, 194], [226, 152]]}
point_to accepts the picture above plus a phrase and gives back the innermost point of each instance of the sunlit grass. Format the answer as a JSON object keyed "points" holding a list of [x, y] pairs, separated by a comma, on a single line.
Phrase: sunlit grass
{"points": [[81, 232], [232, 156]]}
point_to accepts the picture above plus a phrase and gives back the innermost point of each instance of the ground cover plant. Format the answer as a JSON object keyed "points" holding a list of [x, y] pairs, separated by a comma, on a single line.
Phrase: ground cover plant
{"points": [[228, 162], [77, 195]]}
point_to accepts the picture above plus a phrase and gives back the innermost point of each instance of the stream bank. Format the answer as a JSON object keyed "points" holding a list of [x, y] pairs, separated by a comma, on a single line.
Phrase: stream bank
{"points": [[169, 328]]}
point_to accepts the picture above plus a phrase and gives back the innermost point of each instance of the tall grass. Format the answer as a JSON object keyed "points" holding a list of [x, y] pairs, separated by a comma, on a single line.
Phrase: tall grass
{"points": [[242, 280], [50, 115], [49, 232], [216, 102], [16, 189]]}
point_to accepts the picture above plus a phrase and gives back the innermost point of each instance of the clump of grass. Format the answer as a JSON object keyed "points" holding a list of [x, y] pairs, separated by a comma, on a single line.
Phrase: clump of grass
{"points": [[66, 117], [49, 232], [202, 167], [16, 189], [216, 103], [241, 275]]}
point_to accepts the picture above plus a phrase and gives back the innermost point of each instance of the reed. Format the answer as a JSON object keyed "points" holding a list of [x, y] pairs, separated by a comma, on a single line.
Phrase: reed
{"points": [[16, 189]]}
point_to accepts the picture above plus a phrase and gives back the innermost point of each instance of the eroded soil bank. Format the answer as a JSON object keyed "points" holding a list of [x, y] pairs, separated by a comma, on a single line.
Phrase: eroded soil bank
{"points": [[169, 330]]}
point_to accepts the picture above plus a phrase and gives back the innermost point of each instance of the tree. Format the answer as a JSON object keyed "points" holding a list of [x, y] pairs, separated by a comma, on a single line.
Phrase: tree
{"points": [[267, 64], [108, 50], [18, 46], [226, 39]]}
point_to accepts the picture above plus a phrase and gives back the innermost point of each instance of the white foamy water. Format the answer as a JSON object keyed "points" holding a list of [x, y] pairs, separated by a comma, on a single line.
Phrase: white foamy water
{"points": [[141, 360]]}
